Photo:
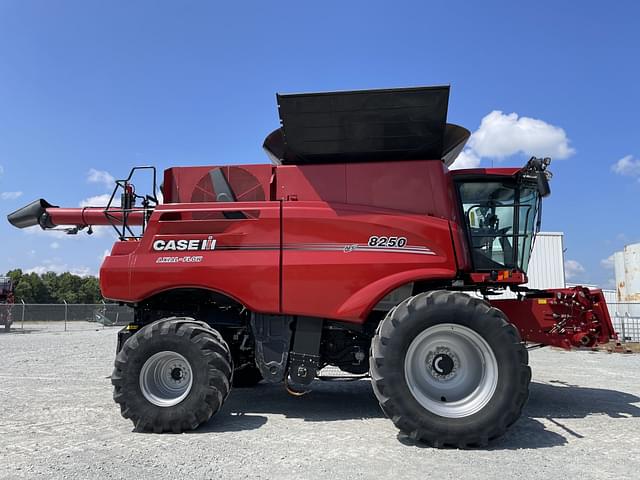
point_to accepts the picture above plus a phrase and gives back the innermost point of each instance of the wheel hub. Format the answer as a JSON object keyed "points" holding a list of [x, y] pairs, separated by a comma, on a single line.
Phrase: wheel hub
{"points": [[166, 378], [442, 363], [451, 370], [177, 374]]}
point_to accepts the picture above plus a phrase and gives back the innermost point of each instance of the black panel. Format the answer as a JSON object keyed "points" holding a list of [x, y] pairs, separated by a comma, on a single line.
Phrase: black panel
{"points": [[364, 125], [272, 334]]}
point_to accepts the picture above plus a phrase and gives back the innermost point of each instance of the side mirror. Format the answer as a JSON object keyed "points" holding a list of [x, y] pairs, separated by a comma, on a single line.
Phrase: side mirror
{"points": [[543, 184]]}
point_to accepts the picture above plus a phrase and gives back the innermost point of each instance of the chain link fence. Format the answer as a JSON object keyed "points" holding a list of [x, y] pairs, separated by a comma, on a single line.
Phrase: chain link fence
{"points": [[70, 317], [626, 321], [66, 317]]}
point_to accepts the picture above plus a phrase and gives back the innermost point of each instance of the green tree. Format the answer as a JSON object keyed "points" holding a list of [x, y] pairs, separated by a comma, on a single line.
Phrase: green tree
{"points": [[15, 275], [90, 290], [51, 287], [23, 292]]}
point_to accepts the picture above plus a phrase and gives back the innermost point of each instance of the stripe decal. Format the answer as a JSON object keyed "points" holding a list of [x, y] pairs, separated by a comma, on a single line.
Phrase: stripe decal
{"points": [[331, 247]]}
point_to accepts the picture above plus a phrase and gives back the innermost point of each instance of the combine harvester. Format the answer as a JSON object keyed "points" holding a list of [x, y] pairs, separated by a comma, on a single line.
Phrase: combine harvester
{"points": [[358, 248]]}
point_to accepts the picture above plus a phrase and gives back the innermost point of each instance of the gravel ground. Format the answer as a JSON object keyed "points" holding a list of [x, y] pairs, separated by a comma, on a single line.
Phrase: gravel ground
{"points": [[59, 421]]}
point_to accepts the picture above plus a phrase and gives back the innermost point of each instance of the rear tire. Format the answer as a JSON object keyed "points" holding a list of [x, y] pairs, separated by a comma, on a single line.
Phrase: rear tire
{"points": [[172, 375], [448, 369]]}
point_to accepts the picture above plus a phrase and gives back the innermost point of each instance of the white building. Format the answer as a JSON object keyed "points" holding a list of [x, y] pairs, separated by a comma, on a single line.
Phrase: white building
{"points": [[546, 266]]}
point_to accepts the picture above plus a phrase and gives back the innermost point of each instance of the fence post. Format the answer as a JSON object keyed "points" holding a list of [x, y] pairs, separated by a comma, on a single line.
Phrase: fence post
{"points": [[624, 333], [23, 306], [66, 307]]}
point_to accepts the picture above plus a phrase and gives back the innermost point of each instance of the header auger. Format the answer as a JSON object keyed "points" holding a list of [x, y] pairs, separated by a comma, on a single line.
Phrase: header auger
{"points": [[357, 247]]}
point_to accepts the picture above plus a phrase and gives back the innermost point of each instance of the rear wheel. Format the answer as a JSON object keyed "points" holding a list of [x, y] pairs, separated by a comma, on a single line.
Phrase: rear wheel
{"points": [[172, 375], [448, 369]]}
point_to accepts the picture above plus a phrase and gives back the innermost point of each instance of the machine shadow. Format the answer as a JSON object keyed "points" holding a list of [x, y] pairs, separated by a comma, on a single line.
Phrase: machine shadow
{"points": [[245, 409]]}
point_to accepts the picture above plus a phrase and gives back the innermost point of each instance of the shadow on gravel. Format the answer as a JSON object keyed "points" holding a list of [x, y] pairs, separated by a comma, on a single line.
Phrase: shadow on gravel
{"points": [[555, 402], [334, 401], [328, 401]]}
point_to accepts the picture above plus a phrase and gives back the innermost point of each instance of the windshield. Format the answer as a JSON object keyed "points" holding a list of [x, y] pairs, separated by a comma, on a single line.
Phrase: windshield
{"points": [[501, 219]]}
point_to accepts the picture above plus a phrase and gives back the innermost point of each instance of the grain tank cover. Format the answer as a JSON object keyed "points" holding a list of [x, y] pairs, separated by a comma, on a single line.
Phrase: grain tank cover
{"points": [[361, 125]]}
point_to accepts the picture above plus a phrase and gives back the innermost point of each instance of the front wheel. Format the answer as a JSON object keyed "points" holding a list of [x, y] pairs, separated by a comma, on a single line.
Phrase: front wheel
{"points": [[172, 375], [448, 369]]}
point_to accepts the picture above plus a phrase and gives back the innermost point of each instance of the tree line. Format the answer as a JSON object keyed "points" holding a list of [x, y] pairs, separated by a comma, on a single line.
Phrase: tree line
{"points": [[54, 287]]}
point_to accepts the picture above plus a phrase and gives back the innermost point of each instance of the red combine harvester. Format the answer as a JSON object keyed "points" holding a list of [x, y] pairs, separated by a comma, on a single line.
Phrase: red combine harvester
{"points": [[6, 302], [358, 248]]}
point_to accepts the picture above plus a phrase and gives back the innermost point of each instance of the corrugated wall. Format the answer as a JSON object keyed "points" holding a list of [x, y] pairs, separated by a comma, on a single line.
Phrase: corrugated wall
{"points": [[546, 267]]}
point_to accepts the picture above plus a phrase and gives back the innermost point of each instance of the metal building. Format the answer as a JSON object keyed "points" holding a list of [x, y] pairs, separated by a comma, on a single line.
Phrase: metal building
{"points": [[546, 267]]}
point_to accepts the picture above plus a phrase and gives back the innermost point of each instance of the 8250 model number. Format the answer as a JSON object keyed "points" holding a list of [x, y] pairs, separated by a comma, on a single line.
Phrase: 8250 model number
{"points": [[376, 241]]}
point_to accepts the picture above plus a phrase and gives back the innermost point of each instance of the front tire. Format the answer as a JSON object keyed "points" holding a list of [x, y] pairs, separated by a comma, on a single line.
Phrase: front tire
{"points": [[448, 369], [172, 375]]}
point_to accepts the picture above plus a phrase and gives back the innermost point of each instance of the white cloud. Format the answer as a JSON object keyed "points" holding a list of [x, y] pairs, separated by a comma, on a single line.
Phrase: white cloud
{"points": [[572, 269], [57, 267], [100, 176], [98, 201], [607, 262], [1, 169], [466, 159], [502, 135], [54, 245], [10, 195], [628, 166]]}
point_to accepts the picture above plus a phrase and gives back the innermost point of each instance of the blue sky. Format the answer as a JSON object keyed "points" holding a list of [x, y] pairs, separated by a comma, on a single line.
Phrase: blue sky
{"points": [[108, 85]]}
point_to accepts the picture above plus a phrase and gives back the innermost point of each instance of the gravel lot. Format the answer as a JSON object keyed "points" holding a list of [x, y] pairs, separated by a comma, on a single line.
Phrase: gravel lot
{"points": [[59, 421]]}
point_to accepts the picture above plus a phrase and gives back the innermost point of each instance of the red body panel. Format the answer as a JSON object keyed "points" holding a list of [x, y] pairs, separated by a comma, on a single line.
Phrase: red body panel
{"points": [[329, 213], [326, 241], [327, 245], [245, 264]]}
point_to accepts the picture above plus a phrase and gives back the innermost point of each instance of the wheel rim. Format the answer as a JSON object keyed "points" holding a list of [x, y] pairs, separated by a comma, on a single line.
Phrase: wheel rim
{"points": [[166, 378], [451, 370]]}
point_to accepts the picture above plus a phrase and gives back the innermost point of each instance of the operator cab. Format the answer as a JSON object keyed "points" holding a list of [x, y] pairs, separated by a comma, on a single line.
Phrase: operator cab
{"points": [[502, 214]]}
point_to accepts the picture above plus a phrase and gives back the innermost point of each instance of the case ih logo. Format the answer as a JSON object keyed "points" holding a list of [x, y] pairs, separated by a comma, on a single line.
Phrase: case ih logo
{"points": [[184, 245]]}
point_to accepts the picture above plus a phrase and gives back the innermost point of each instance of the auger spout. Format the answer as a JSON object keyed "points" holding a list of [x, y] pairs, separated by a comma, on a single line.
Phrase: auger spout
{"points": [[48, 216]]}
